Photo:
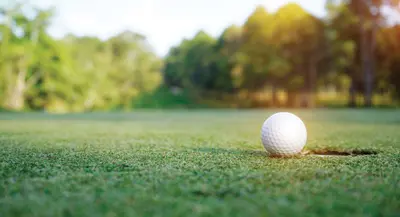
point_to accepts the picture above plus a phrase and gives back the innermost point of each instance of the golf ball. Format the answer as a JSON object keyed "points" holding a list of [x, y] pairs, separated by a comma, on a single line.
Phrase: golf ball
{"points": [[283, 134]]}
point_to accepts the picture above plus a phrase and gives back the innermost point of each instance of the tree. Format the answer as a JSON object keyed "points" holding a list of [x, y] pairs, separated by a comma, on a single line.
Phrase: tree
{"points": [[189, 65], [20, 51], [344, 45], [300, 43], [229, 70], [135, 69], [73, 74], [388, 56], [175, 70], [114, 71], [367, 19], [256, 50]]}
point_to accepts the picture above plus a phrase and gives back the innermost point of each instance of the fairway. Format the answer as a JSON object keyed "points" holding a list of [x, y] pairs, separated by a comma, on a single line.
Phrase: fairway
{"points": [[196, 163]]}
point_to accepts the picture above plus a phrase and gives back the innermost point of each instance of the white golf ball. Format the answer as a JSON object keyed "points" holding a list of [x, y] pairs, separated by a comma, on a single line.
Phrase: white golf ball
{"points": [[283, 134]]}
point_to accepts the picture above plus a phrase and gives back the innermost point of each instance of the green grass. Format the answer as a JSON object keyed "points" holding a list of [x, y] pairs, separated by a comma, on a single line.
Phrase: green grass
{"points": [[162, 97], [195, 163]]}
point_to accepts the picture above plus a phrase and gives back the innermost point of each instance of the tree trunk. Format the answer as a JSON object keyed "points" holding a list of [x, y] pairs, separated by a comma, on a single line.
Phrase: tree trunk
{"points": [[367, 61], [15, 96], [308, 97], [89, 102], [371, 73], [352, 94], [275, 99], [16, 87], [291, 99]]}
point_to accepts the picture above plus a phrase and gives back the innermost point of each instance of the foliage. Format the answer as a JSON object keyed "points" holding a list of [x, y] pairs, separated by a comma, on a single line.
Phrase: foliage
{"points": [[284, 58], [360, 23], [72, 74]]}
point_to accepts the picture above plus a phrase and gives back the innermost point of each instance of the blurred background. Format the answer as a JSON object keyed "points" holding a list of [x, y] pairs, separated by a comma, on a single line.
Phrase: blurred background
{"points": [[76, 56]]}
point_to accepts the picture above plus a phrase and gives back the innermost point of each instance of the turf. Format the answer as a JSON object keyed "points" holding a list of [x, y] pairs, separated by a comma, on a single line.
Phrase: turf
{"points": [[196, 163]]}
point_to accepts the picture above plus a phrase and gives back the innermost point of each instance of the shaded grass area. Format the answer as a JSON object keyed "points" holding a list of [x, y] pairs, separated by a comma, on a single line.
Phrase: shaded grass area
{"points": [[162, 97], [197, 163]]}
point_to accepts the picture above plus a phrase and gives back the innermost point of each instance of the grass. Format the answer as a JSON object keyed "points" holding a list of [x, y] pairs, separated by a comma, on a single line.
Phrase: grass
{"points": [[196, 163], [162, 97]]}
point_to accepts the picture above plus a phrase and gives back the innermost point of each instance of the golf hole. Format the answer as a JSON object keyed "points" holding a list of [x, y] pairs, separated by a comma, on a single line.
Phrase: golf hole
{"points": [[330, 153]]}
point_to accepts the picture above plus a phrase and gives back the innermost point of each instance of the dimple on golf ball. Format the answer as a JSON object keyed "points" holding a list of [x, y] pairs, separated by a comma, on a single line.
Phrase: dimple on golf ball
{"points": [[283, 134]]}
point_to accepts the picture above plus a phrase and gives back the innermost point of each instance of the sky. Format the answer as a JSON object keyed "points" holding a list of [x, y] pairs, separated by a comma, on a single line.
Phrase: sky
{"points": [[164, 22]]}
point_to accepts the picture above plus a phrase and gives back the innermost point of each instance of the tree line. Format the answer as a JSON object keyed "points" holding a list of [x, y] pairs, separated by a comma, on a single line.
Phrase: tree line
{"points": [[353, 49], [38, 72], [285, 58]]}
